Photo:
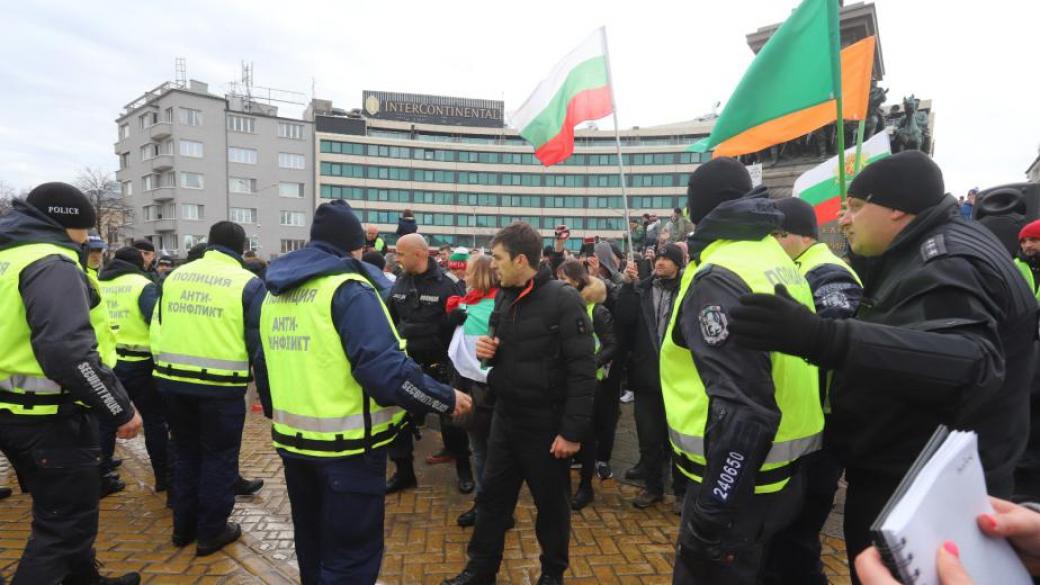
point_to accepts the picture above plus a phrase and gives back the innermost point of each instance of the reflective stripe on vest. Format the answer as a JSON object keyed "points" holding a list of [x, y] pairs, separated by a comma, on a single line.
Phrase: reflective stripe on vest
{"points": [[819, 254], [319, 408], [102, 325], [761, 265], [200, 336], [21, 377], [601, 372], [121, 295]]}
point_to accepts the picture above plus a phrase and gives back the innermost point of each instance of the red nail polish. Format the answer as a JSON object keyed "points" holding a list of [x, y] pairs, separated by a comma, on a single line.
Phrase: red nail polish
{"points": [[988, 522], [952, 548]]}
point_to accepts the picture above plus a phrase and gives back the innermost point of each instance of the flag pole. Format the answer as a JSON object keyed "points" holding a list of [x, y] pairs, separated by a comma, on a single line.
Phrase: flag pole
{"points": [[839, 121], [617, 142], [859, 145]]}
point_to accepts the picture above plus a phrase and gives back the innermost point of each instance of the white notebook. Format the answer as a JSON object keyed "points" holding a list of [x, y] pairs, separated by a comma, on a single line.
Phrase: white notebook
{"points": [[939, 499]]}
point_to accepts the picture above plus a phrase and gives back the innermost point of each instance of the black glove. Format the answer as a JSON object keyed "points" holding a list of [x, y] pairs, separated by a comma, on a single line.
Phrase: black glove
{"points": [[780, 323], [700, 544], [457, 317]]}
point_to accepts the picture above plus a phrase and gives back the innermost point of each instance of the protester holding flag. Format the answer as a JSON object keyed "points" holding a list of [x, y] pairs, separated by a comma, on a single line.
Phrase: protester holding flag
{"points": [[947, 338]]}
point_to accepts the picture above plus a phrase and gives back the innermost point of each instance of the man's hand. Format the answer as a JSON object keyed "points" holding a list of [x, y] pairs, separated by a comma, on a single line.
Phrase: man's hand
{"points": [[563, 449], [593, 263], [463, 405], [631, 272], [486, 347], [129, 429], [777, 322]]}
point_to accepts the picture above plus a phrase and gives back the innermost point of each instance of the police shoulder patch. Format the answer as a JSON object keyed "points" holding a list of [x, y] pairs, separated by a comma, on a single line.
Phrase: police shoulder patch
{"points": [[714, 325], [933, 247]]}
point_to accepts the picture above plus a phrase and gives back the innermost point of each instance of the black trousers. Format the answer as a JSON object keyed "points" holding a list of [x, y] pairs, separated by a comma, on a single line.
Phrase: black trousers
{"points": [[517, 454], [607, 411], [57, 458], [655, 451], [144, 392], [747, 542], [794, 558], [207, 436], [867, 494]]}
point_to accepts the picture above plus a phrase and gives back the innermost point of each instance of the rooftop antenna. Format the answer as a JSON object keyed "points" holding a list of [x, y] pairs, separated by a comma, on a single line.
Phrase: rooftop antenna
{"points": [[245, 90], [181, 79]]}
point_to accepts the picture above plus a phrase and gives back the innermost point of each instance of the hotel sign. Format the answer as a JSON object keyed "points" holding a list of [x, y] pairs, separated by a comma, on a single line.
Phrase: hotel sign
{"points": [[432, 109]]}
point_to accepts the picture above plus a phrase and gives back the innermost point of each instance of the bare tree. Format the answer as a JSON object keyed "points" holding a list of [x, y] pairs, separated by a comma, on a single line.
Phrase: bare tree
{"points": [[106, 197], [7, 194]]}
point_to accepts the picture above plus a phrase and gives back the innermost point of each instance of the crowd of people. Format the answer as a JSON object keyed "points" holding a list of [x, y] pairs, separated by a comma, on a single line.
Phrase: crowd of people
{"points": [[763, 366]]}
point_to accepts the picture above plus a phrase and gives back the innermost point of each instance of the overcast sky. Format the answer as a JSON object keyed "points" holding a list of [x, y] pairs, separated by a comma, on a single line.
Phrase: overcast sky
{"points": [[67, 68]]}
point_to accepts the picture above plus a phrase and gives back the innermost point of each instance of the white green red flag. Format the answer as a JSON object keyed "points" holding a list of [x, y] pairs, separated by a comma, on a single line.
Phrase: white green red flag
{"points": [[463, 348], [819, 185], [577, 90]]}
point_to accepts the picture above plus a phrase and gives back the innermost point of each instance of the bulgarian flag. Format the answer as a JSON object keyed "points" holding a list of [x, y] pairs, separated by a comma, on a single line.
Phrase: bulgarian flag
{"points": [[791, 87], [819, 185], [577, 90], [463, 348]]}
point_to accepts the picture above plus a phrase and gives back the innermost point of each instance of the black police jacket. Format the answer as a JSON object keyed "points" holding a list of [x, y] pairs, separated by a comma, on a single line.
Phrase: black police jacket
{"points": [[945, 334], [417, 306], [544, 370]]}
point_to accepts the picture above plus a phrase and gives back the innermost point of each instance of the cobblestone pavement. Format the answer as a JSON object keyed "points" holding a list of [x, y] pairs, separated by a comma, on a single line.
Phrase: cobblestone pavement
{"points": [[611, 542]]}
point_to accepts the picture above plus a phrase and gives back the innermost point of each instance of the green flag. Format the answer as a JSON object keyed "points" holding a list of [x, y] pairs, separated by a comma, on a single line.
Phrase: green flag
{"points": [[793, 71]]}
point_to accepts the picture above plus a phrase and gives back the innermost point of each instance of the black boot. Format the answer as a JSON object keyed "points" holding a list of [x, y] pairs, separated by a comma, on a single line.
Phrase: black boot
{"points": [[402, 479], [465, 473], [467, 518], [550, 580], [247, 487], [5, 492], [111, 484], [583, 497], [470, 577], [232, 532], [91, 576]]}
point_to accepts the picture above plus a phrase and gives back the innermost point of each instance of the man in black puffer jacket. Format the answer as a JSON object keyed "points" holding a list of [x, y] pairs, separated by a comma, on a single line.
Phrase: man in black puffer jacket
{"points": [[544, 378], [945, 334]]}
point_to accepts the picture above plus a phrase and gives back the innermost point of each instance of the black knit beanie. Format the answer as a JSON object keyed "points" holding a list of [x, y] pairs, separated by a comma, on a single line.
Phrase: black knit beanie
{"points": [[335, 223], [799, 217], [229, 235], [716, 181], [64, 204], [675, 254], [909, 181], [144, 245], [130, 254]]}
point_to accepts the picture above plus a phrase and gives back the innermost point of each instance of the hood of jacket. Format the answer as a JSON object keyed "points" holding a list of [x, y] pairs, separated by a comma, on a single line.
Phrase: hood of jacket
{"points": [[315, 259], [24, 224], [117, 268], [752, 217], [595, 292], [406, 221], [606, 257]]}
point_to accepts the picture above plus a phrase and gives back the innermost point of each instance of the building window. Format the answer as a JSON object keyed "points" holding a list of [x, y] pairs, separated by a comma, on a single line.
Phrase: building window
{"points": [[124, 160], [149, 182], [191, 148], [242, 214], [126, 188], [288, 160], [290, 130], [124, 131], [241, 124], [151, 212], [190, 117], [191, 181], [192, 241], [292, 245], [191, 211], [149, 119], [294, 190], [149, 151], [245, 156], [241, 185], [293, 218], [254, 243]]}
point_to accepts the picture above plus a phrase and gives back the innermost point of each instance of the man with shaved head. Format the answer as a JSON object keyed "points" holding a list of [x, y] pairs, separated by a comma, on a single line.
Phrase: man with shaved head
{"points": [[372, 240], [417, 306]]}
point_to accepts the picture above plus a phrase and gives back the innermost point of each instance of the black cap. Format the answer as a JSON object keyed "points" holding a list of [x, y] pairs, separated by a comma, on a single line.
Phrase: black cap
{"points": [[165, 261], [144, 245], [130, 254], [375, 259], [716, 181], [799, 217], [675, 254], [229, 235], [64, 204], [196, 252], [335, 223], [909, 181]]}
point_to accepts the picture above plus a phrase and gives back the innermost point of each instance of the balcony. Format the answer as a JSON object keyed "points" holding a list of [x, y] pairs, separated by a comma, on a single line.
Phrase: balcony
{"points": [[163, 162], [160, 130], [120, 147], [162, 193], [163, 225]]}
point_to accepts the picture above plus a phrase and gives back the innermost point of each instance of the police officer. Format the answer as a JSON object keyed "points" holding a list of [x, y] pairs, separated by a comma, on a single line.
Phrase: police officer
{"points": [[147, 249], [130, 298], [417, 305], [794, 557], [543, 377], [51, 379], [206, 334], [374, 242], [738, 420], [95, 253], [945, 335], [337, 379]]}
